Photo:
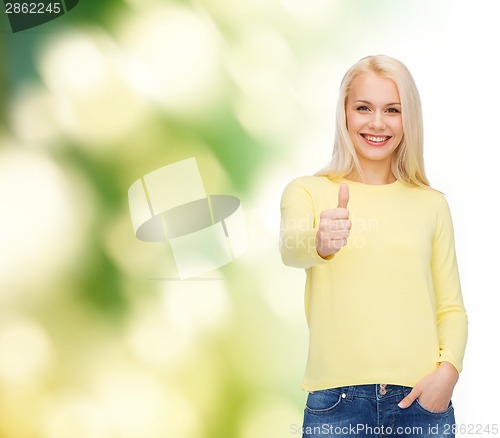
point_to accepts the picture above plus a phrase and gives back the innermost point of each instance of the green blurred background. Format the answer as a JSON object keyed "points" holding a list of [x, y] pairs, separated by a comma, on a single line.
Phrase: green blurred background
{"points": [[97, 337]]}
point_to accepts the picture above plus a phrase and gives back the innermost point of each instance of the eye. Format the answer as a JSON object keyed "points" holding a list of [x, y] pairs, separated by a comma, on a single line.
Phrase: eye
{"points": [[393, 110], [362, 108]]}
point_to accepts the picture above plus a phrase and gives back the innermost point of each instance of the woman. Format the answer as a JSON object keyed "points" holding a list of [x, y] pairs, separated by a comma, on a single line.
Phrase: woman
{"points": [[383, 300]]}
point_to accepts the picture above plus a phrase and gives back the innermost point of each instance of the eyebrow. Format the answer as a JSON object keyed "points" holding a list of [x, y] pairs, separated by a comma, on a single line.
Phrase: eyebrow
{"points": [[368, 102]]}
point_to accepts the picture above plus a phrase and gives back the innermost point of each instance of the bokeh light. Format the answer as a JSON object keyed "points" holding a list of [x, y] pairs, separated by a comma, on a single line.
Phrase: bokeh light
{"points": [[33, 116], [42, 219], [177, 52], [94, 103], [27, 353]]}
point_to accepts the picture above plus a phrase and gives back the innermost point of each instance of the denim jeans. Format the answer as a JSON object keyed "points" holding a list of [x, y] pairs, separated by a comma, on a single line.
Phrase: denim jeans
{"points": [[372, 411]]}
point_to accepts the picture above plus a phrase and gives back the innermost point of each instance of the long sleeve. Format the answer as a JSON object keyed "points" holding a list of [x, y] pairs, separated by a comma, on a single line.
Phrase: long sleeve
{"points": [[298, 228], [451, 318]]}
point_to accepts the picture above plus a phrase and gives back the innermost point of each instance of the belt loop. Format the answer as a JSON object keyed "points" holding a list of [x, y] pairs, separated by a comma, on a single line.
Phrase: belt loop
{"points": [[349, 392]]}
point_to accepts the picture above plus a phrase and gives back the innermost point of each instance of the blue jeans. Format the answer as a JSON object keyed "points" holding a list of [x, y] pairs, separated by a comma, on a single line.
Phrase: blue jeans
{"points": [[372, 411]]}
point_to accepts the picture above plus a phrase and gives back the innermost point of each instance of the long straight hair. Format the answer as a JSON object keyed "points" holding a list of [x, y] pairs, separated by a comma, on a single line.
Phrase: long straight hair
{"points": [[407, 163]]}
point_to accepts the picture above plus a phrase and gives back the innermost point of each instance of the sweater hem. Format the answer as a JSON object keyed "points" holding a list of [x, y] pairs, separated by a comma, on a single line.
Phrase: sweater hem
{"points": [[340, 383]]}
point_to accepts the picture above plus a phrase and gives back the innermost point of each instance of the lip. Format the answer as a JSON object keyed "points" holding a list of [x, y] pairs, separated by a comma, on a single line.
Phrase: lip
{"points": [[376, 143]]}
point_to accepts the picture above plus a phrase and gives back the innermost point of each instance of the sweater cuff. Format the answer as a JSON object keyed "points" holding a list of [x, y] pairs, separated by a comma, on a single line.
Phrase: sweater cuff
{"points": [[449, 357]]}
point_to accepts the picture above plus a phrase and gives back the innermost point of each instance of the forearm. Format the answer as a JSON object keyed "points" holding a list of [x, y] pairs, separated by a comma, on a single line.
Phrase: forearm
{"points": [[298, 228], [298, 248], [452, 326]]}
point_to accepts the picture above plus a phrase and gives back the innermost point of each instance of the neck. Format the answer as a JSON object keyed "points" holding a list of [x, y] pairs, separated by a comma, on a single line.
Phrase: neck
{"points": [[372, 175]]}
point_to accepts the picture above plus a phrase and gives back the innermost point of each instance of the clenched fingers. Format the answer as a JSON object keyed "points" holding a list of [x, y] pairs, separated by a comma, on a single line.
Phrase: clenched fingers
{"points": [[334, 214], [330, 225]]}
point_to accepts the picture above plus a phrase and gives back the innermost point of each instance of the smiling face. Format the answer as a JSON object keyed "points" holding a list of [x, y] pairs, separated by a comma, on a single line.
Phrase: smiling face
{"points": [[374, 122]]}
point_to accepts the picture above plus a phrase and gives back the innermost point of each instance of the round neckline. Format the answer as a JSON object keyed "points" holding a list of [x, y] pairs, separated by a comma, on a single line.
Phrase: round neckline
{"points": [[367, 186]]}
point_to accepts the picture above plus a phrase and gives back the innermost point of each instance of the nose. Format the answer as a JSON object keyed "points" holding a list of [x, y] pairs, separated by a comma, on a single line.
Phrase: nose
{"points": [[376, 121]]}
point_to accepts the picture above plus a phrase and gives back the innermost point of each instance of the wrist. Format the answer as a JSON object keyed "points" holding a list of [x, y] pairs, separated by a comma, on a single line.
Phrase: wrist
{"points": [[449, 370]]}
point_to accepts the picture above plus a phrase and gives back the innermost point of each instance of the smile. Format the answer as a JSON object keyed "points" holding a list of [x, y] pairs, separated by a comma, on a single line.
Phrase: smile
{"points": [[376, 140]]}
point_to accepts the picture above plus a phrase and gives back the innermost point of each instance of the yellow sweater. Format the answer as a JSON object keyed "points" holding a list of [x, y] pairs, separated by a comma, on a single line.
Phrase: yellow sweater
{"points": [[388, 307]]}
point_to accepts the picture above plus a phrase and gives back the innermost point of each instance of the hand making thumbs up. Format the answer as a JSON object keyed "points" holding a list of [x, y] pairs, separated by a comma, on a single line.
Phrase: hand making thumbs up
{"points": [[334, 226]]}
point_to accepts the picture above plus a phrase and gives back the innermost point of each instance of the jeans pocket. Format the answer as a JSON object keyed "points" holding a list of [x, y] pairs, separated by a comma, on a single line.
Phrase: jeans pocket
{"points": [[323, 401], [428, 411]]}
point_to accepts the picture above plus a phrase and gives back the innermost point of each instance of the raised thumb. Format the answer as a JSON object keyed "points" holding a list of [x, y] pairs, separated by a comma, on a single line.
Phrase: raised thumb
{"points": [[343, 195]]}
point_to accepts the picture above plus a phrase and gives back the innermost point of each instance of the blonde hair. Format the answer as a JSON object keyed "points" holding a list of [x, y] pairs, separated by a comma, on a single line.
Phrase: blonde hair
{"points": [[407, 161]]}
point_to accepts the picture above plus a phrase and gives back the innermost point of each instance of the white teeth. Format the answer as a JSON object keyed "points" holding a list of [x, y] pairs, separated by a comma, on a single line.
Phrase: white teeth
{"points": [[376, 139]]}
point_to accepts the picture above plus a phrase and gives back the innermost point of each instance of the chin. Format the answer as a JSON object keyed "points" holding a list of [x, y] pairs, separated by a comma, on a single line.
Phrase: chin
{"points": [[375, 155]]}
